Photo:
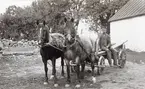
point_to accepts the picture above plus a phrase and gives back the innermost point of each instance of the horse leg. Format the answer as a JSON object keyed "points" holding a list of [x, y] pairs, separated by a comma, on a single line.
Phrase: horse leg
{"points": [[54, 69], [93, 67], [46, 69], [82, 70], [62, 66], [68, 73], [93, 75], [72, 69], [78, 72], [78, 68]]}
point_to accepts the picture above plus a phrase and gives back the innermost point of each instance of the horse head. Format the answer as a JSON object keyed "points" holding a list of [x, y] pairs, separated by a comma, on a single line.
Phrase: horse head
{"points": [[70, 32], [43, 33]]}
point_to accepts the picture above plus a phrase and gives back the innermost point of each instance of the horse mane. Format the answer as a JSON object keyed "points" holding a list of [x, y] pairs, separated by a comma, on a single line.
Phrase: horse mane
{"points": [[57, 34], [57, 40]]}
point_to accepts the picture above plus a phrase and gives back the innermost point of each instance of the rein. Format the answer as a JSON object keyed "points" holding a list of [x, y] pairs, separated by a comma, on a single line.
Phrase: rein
{"points": [[46, 44], [84, 49], [73, 43]]}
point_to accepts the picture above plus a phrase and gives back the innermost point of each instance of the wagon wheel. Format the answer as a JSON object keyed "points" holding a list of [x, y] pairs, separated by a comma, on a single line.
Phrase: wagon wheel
{"points": [[101, 65], [122, 59]]}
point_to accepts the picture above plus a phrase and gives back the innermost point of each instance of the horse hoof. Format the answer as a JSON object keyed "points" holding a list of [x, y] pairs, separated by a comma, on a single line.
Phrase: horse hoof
{"points": [[51, 77], [82, 77], [94, 79], [113, 81], [89, 71], [55, 85], [91, 84], [62, 77], [67, 85], [78, 86], [45, 83]]}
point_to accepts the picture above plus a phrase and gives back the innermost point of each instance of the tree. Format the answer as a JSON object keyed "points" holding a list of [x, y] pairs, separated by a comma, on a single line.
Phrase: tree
{"points": [[101, 10], [17, 20]]}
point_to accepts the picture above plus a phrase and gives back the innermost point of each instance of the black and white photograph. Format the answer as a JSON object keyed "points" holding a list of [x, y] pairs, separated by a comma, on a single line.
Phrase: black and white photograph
{"points": [[72, 44]]}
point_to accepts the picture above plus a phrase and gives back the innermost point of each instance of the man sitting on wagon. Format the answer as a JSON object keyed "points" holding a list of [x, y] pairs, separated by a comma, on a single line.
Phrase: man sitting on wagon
{"points": [[105, 45]]}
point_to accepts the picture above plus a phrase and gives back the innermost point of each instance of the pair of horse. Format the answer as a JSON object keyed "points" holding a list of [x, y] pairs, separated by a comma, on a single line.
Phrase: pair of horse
{"points": [[74, 49]]}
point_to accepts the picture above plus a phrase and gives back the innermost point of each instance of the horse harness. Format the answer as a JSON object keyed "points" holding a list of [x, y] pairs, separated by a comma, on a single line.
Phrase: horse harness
{"points": [[81, 45]]}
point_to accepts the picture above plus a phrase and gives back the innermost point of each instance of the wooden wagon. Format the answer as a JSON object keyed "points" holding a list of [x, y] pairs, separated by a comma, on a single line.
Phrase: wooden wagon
{"points": [[121, 54]]}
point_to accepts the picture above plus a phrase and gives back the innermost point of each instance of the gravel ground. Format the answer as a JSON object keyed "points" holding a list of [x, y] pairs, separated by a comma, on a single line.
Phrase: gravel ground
{"points": [[26, 72]]}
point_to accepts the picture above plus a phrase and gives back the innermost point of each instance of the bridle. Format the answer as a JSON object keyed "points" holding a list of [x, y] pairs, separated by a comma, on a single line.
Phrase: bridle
{"points": [[68, 45], [71, 45]]}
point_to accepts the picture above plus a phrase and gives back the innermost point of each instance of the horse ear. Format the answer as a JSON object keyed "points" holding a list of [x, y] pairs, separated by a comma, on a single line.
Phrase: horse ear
{"points": [[37, 22], [65, 20], [44, 23], [72, 20]]}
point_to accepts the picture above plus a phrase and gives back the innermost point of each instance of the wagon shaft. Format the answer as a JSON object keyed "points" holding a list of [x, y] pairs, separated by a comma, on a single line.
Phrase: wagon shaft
{"points": [[100, 53]]}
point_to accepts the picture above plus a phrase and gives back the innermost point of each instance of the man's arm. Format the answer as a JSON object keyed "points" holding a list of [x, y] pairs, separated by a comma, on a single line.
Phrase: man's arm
{"points": [[99, 42], [108, 42]]}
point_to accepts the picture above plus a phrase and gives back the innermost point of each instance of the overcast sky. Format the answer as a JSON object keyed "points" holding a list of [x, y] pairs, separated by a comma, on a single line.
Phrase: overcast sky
{"points": [[5, 3]]}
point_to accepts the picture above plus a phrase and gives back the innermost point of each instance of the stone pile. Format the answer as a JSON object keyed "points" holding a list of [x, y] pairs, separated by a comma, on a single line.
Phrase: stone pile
{"points": [[21, 43]]}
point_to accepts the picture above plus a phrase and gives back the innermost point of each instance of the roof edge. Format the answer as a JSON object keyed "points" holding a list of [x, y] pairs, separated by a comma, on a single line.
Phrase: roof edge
{"points": [[125, 18]]}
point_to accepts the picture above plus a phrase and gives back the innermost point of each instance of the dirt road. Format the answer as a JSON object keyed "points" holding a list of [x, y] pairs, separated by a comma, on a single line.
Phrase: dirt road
{"points": [[26, 72]]}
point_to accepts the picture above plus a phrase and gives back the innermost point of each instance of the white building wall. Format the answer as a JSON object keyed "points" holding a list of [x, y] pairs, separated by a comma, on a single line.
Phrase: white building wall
{"points": [[132, 30]]}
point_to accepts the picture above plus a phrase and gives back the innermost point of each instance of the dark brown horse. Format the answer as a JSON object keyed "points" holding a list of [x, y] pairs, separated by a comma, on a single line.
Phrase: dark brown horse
{"points": [[79, 50], [51, 46]]}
